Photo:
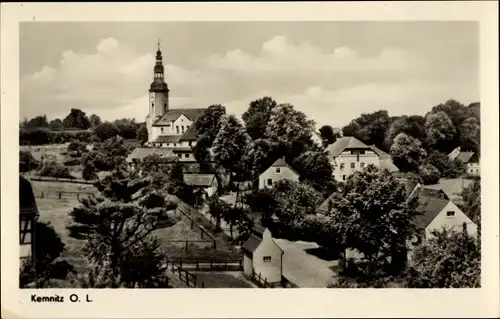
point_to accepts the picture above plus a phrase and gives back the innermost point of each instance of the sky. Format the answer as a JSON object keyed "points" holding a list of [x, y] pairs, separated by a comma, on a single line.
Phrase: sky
{"points": [[332, 71]]}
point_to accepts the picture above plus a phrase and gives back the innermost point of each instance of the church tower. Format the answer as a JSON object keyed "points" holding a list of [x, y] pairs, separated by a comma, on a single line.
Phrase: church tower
{"points": [[158, 91]]}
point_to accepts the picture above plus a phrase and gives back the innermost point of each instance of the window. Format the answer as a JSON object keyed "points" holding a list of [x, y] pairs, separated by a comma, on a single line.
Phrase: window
{"points": [[278, 169], [182, 127], [186, 155], [353, 165], [362, 164], [153, 105], [267, 258], [343, 177], [162, 129], [165, 105], [177, 128], [450, 213], [179, 155], [361, 152], [190, 143], [269, 182], [342, 165]]}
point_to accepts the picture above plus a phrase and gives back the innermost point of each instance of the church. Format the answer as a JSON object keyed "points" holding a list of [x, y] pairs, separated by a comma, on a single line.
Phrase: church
{"points": [[170, 130]]}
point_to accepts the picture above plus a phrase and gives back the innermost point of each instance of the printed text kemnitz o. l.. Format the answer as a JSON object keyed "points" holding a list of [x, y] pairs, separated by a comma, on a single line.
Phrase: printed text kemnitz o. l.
{"points": [[57, 298]]}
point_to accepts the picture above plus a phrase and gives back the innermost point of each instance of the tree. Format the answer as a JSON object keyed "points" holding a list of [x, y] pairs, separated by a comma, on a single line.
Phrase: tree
{"points": [[407, 153], [27, 162], [106, 130], [262, 153], [94, 120], [89, 172], [76, 119], [471, 196], [373, 216], [118, 225], [230, 143], [410, 125], [48, 247], [369, 128], [217, 208], [440, 131], [430, 174], [209, 122], [39, 121], [56, 124], [328, 135], [201, 152], [142, 133], [446, 167], [127, 128], [447, 260], [56, 170], [262, 201], [290, 129], [470, 135], [257, 116], [77, 146], [315, 168]]}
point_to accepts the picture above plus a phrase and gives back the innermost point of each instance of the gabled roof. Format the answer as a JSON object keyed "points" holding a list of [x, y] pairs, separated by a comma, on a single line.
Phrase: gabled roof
{"points": [[429, 208], [140, 152], [255, 239], [381, 154], [205, 180], [386, 163], [465, 157], [425, 192], [173, 114], [344, 143], [282, 163], [323, 208], [27, 202]]}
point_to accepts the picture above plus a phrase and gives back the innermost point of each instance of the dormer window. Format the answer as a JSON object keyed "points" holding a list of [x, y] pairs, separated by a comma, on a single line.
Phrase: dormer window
{"points": [[450, 213]]}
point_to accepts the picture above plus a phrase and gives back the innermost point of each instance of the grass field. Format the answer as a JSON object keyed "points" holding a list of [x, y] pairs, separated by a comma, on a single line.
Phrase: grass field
{"points": [[218, 279]]}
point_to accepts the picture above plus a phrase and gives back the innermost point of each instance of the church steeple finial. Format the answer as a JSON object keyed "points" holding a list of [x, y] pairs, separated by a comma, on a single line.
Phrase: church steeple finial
{"points": [[158, 44]]}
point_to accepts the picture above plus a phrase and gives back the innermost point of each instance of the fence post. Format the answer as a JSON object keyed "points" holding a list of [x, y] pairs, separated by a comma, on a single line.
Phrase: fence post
{"points": [[197, 264], [187, 277], [265, 282], [211, 263], [214, 244], [200, 232], [60, 194], [259, 278], [225, 264], [180, 263], [186, 245], [202, 284], [42, 195], [192, 224]]}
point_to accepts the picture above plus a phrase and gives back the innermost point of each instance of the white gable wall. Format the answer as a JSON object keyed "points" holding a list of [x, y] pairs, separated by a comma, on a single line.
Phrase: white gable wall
{"points": [[451, 222], [342, 164], [181, 125], [276, 174], [272, 269]]}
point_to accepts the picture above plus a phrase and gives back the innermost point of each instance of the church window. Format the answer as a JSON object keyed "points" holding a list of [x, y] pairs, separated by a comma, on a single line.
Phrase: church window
{"points": [[162, 129], [186, 155], [182, 127], [190, 143], [179, 155], [177, 128], [353, 165]]}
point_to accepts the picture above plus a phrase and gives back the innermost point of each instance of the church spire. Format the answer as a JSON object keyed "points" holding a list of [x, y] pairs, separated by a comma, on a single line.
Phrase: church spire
{"points": [[158, 73]]}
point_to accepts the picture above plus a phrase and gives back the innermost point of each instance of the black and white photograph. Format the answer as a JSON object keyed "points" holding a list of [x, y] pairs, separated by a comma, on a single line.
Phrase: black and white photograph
{"points": [[249, 154]]}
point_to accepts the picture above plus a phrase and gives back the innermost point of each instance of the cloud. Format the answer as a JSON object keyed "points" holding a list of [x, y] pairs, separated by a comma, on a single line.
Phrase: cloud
{"points": [[105, 80], [278, 54]]}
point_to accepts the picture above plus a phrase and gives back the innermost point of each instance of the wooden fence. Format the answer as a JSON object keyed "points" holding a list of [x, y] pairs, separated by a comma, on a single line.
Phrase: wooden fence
{"points": [[62, 194], [184, 275], [185, 210], [61, 180], [208, 263], [262, 282]]}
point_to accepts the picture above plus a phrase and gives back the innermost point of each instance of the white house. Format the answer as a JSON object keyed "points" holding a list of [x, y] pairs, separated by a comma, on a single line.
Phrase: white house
{"points": [[470, 159], [437, 213], [169, 128], [262, 256], [348, 155], [207, 182], [280, 170]]}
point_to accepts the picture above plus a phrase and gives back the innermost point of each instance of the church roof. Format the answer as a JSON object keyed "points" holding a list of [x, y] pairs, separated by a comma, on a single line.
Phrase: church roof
{"points": [[158, 86], [173, 114]]}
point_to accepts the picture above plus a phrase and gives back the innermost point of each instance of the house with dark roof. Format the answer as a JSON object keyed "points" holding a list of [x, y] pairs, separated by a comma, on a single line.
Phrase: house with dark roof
{"points": [[207, 182], [470, 159], [28, 214], [262, 257], [348, 155], [169, 127], [436, 213], [280, 170]]}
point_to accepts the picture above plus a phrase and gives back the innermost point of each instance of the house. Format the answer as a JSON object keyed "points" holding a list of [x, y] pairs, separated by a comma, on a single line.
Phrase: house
{"points": [[470, 159], [280, 170], [169, 127], [28, 214], [206, 182], [436, 214], [262, 257], [348, 155]]}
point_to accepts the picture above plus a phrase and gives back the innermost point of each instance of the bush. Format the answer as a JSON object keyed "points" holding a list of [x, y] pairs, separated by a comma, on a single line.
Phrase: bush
{"points": [[77, 146], [429, 174], [72, 162], [53, 169], [27, 162], [89, 173], [84, 136], [106, 130], [35, 137], [62, 137]]}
